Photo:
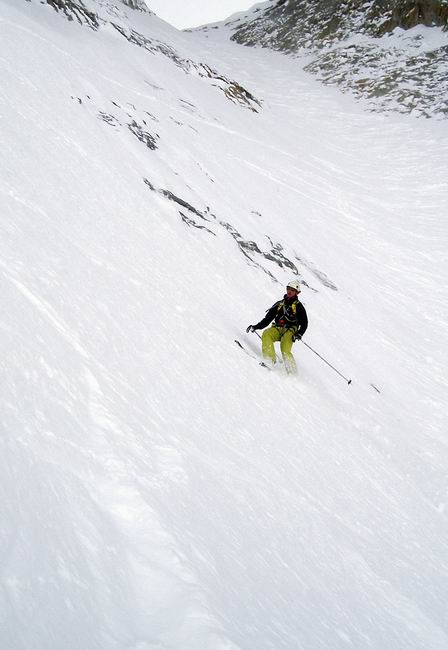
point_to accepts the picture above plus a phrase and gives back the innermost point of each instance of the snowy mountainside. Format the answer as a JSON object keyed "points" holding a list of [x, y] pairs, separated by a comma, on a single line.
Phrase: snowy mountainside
{"points": [[160, 490], [391, 53]]}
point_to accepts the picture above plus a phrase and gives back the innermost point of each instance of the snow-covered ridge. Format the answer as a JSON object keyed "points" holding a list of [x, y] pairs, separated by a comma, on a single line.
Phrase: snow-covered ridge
{"points": [[103, 13], [393, 54]]}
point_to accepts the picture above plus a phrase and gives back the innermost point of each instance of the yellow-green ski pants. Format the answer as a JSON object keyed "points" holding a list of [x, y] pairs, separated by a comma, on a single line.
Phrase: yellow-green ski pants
{"points": [[284, 335]]}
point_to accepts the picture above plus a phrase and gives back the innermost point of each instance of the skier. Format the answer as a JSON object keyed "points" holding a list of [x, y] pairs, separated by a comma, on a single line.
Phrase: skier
{"points": [[290, 323]]}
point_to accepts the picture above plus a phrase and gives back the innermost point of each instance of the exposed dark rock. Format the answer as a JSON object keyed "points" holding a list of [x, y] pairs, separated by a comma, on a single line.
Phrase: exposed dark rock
{"points": [[150, 185], [75, 9], [109, 119], [193, 224], [147, 138], [409, 13], [419, 84], [138, 5], [246, 246], [252, 252], [152, 85], [172, 197], [280, 258], [289, 26], [232, 90]]}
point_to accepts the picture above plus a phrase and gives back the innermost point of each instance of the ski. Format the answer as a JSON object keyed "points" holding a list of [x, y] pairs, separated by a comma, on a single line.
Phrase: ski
{"points": [[252, 356]]}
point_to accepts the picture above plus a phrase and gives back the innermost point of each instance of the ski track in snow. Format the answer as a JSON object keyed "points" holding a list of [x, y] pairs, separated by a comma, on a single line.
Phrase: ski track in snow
{"points": [[159, 488]]}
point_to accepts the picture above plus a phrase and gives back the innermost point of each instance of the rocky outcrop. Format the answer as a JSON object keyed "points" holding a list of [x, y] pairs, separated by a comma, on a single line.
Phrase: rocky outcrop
{"points": [[408, 13], [139, 5], [350, 47], [289, 25], [76, 10], [80, 11]]}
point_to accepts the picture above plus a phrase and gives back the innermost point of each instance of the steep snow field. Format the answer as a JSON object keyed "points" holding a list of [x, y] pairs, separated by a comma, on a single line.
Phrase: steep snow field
{"points": [[159, 489]]}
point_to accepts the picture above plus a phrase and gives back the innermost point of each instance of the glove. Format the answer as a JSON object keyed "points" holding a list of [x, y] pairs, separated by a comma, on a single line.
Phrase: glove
{"points": [[296, 337], [251, 328]]}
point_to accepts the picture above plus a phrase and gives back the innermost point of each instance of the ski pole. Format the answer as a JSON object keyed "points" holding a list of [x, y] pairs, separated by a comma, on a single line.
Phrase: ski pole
{"points": [[349, 381]]}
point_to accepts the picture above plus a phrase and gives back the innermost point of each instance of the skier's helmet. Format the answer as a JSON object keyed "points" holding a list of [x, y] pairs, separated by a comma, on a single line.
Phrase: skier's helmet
{"points": [[294, 284]]}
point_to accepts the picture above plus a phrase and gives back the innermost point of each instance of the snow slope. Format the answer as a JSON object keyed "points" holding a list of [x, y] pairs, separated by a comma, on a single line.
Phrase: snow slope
{"points": [[159, 489]]}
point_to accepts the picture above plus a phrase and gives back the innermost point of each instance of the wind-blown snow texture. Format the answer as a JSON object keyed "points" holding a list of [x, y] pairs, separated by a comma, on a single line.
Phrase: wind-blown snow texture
{"points": [[159, 489]]}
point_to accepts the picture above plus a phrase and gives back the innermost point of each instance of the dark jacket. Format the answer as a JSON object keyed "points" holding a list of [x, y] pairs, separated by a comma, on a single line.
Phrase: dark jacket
{"points": [[289, 313]]}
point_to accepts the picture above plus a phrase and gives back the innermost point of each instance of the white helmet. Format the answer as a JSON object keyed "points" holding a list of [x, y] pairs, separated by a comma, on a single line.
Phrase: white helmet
{"points": [[294, 284]]}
